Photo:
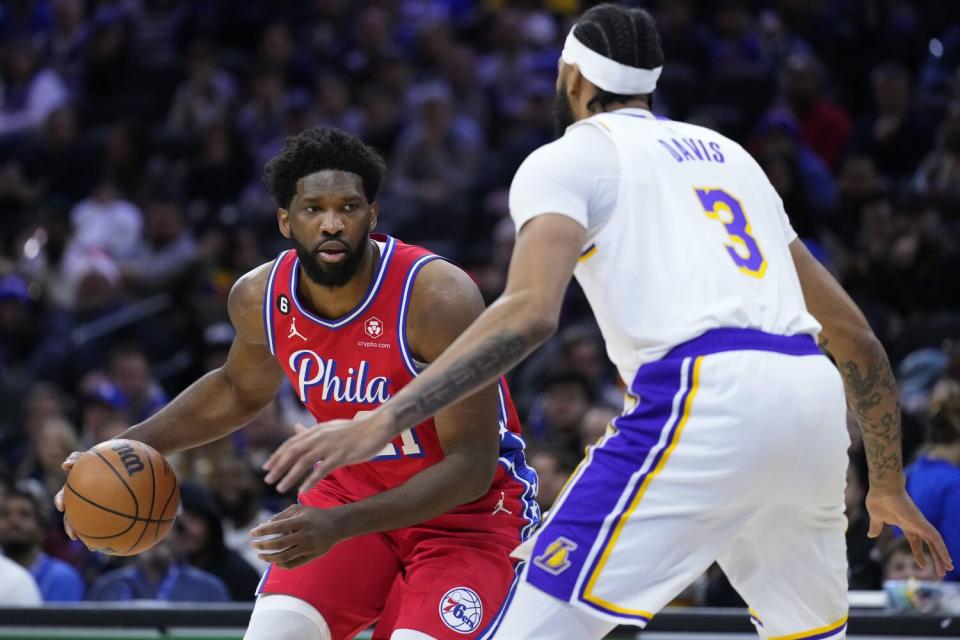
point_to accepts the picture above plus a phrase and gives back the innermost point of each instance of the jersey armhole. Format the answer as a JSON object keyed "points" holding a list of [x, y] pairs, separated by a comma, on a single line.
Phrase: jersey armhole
{"points": [[412, 365], [268, 305]]}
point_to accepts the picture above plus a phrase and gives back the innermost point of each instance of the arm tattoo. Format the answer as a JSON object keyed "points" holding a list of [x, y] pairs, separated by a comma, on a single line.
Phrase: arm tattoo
{"points": [[478, 368], [872, 395]]}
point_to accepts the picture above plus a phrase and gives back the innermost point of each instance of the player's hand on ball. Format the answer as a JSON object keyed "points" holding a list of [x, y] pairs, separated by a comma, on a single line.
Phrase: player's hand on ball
{"points": [[297, 535], [325, 447], [898, 509], [58, 499]]}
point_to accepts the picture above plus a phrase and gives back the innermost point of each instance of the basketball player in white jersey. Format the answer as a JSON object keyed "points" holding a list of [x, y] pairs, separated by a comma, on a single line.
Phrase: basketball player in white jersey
{"points": [[732, 445]]}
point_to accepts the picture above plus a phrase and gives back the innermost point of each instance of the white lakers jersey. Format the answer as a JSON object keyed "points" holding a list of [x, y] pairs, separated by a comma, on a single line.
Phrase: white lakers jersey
{"points": [[685, 232]]}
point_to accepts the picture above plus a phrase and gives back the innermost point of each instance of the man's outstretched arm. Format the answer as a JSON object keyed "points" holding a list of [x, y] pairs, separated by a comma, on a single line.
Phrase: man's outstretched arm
{"points": [[872, 394], [520, 320]]}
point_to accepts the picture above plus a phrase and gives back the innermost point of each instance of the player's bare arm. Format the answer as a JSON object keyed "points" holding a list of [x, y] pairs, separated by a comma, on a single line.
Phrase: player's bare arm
{"points": [[872, 394], [226, 398], [445, 302], [521, 319]]}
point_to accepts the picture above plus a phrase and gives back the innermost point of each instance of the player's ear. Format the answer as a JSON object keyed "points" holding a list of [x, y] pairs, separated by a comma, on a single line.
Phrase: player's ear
{"points": [[374, 216], [283, 221], [574, 82]]}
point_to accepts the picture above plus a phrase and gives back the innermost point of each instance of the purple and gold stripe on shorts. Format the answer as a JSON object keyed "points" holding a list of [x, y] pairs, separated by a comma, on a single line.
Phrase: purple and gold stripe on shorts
{"points": [[820, 633], [608, 481]]}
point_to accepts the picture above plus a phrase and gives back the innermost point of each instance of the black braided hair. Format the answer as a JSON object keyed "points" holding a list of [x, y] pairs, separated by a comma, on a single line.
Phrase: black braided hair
{"points": [[318, 149], [627, 36]]}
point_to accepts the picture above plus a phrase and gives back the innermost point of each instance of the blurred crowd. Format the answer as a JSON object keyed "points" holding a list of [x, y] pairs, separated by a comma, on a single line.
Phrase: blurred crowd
{"points": [[133, 135]]}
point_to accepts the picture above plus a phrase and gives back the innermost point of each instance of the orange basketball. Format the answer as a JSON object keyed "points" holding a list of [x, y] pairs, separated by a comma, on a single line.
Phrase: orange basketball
{"points": [[121, 497]]}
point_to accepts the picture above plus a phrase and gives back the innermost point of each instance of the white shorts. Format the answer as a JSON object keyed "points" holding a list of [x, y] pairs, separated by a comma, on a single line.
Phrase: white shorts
{"points": [[735, 452]]}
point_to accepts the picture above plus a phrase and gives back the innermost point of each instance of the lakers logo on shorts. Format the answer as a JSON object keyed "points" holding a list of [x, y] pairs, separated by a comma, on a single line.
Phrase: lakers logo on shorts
{"points": [[461, 609], [556, 558]]}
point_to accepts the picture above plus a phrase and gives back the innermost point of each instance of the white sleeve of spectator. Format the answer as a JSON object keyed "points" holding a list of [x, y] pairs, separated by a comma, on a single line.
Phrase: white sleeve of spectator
{"points": [[560, 177]]}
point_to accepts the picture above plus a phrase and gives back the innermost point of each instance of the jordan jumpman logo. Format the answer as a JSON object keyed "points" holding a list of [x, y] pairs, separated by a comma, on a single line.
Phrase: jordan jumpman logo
{"points": [[500, 508], [293, 330]]}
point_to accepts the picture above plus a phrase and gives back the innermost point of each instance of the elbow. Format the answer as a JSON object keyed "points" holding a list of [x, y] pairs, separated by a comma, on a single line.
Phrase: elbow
{"points": [[477, 478], [539, 326]]}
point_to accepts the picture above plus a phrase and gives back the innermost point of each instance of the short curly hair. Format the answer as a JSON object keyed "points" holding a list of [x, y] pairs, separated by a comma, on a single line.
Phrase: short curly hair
{"points": [[319, 149]]}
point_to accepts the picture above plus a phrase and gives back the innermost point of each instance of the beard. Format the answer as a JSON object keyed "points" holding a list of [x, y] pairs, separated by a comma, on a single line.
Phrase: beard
{"points": [[562, 113], [329, 275]]}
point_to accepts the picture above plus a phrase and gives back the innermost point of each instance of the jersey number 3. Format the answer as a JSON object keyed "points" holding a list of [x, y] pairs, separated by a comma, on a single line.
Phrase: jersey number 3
{"points": [[743, 248]]}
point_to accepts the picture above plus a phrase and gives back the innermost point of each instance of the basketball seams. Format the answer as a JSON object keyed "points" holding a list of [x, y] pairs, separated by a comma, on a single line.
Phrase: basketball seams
{"points": [[136, 503], [114, 512], [153, 498], [173, 490], [112, 524]]}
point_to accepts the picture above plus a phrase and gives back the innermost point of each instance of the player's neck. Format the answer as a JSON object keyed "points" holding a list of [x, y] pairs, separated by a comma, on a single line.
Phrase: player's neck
{"points": [[334, 302], [638, 103]]}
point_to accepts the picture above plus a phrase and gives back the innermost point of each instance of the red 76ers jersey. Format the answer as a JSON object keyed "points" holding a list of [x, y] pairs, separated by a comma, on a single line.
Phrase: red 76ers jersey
{"points": [[348, 365]]}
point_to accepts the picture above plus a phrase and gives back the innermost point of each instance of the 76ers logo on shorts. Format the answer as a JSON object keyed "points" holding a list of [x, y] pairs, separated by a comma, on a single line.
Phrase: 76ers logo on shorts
{"points": [[461, 609]]}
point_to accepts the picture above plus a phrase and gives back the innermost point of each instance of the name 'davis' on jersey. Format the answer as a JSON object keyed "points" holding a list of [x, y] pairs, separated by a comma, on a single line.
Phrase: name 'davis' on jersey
{"points": [[357, 387]]}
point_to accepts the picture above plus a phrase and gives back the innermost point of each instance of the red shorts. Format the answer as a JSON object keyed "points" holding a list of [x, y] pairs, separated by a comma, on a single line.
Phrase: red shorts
{"points": [[446, 577]]}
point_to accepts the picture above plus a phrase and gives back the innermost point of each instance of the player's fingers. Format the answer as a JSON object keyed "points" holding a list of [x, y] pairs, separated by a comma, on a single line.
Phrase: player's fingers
{"points": [[281, 558], [938, 550], [71, 460], [916, 546], [299, 467], [68, 529], [299, 428], [273, 544], [876, 526], [281, 523], [58, 500]]}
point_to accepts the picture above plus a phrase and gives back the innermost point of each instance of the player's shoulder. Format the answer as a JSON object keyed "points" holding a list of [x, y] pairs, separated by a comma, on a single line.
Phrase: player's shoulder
{"points": [[245, 303], [444, 302], [442, 284], [249, 288]]}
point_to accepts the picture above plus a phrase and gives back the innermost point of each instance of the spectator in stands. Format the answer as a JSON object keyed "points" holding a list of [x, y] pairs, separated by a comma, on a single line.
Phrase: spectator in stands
{"points": [[435, 165], [238, 490], [595, 423], [129, 370], [558, 412], [103, 404], [933, 480], [198, 539], [204, 97], [894, 135], [824, 125], [899, 563], [939, 175], [63, 48], [28, 92], [554, 465], [105, 222], [17, 586], [49, 447], [23, 524], [166, 251], [159, 574], [64, 166]]}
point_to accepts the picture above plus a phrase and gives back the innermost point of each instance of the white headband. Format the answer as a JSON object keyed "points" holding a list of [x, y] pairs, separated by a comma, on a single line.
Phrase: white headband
{"points": [[609, 74]]}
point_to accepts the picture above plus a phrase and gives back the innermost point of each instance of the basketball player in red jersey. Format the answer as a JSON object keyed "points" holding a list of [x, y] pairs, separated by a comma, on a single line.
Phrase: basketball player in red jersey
{"points": [[416, 540]]}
